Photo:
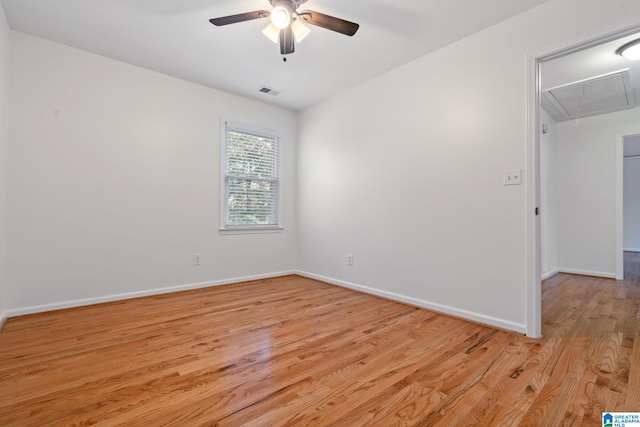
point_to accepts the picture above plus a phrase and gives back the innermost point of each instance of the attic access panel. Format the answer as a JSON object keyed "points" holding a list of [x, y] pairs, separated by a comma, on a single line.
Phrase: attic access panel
{"points": [[599, 95]]}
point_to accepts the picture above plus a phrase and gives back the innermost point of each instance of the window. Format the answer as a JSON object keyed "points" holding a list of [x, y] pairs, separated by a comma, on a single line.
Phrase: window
{"points": [[251, 168]]}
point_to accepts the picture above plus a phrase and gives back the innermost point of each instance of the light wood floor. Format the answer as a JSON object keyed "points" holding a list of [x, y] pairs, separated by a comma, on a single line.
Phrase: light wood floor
{"points": [[293, 351]]}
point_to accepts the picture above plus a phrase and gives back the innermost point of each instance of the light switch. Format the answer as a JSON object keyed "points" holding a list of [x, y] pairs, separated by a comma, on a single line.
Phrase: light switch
{"points": [[513, 177]]}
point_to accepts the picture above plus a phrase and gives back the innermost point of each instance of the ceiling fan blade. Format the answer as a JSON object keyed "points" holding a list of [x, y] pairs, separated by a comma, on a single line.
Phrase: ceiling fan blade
{"points": [[241, 17], [286, 41], [329, 22]]}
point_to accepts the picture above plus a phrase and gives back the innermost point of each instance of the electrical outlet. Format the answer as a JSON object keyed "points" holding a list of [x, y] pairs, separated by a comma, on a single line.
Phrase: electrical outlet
{"points": [[349, 259], [196, 259]]}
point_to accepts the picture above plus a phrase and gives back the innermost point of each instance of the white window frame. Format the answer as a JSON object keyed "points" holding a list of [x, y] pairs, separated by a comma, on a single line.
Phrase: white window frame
{"points": [[248, 228]]}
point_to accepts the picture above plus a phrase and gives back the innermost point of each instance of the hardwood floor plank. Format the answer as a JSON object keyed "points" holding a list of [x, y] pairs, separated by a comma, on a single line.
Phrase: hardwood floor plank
{"points": [[632, 402], [292, 351], [497, 383], [376, 376]]}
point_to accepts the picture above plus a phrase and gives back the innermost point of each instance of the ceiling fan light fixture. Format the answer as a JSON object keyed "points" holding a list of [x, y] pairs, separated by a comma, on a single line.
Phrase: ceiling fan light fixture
{"points": [[281, 14], [630, 50], [299, 30], [287, 25], [272, 32]]}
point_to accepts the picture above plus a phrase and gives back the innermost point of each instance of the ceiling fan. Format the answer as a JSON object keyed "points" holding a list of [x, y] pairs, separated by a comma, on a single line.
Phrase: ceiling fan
{"points": [[287, 23]]}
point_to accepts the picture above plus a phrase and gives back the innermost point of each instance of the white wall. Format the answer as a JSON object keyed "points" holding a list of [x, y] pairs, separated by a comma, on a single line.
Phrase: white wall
{"points": [[114, 175], [548, 215], [115, 181], [405, 170], [632, 203], [586, 189], [4, 135]]}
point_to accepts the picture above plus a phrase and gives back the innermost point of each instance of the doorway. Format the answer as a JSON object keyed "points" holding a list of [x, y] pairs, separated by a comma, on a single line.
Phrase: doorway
{"points": [[573, 251], [629, 205]]}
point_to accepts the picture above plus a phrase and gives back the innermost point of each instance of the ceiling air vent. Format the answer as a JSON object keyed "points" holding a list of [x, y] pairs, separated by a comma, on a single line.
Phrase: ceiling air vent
{"points": [[269, 90], [598, 95]]}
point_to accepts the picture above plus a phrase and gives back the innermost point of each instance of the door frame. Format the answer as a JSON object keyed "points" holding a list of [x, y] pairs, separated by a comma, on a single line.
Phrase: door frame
{"points": [[620, 200], [533, 295]]}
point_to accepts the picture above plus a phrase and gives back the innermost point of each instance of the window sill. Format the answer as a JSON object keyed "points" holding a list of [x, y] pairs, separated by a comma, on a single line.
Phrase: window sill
{"points": [[252, 230]]}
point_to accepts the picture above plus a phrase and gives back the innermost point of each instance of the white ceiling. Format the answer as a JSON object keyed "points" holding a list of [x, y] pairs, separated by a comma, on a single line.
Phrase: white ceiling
{"points": [[588, 64], [175, 37], [594, 62]]}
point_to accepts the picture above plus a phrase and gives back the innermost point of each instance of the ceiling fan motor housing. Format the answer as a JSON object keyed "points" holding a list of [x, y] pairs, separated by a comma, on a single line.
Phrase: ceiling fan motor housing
{"points": [[294, 3]]}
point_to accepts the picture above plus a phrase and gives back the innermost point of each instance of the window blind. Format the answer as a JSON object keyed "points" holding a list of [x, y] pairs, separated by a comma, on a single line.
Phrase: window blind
{"points": [[252, 179]]}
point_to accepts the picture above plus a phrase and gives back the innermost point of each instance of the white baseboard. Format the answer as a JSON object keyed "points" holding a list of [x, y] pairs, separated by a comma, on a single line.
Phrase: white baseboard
{"points": [[631, 250], [549, 274], [3, 318], [452, 311], [440, 308], [117, 297], [588, 273]]}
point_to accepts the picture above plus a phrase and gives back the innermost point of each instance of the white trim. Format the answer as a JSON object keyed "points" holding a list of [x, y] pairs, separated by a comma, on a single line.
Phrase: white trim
{"points": [[549, 274], [440, 308], [3, 319], [631, 249], [619, 209], [222, 186], [252, 230], [533, 282], [138, 294], [587, 273]]}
